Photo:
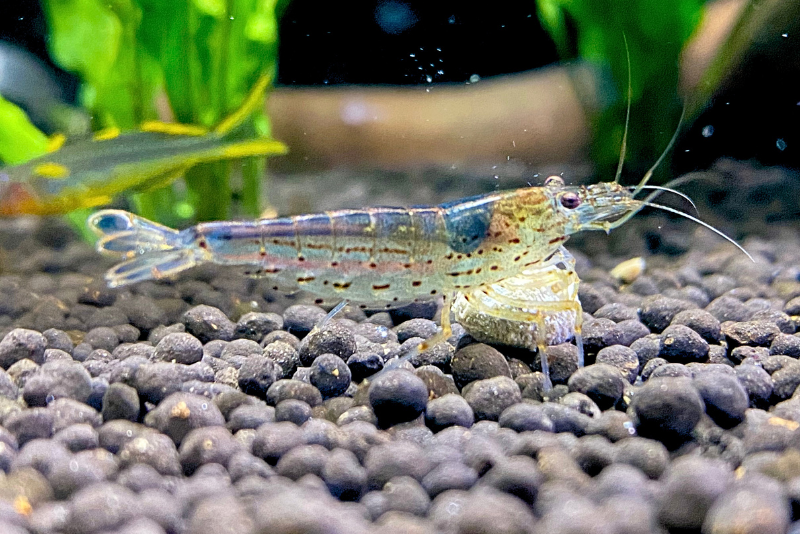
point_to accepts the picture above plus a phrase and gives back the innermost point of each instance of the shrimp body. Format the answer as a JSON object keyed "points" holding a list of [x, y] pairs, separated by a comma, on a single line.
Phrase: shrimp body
{"points": [[376, 256]]}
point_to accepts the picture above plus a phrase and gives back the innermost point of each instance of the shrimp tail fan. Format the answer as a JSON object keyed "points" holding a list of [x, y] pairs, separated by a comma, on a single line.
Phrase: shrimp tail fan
{"points": [[150, 251]]}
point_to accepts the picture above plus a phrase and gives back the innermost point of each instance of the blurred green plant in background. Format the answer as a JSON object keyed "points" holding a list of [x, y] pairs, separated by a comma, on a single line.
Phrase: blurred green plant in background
{"points": [[204, 55], [656, 32], [20, 140]]}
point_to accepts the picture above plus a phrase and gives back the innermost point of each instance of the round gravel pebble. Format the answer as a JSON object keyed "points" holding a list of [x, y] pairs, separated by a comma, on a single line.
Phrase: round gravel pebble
{"points": [[658, 311], [154, 382], [121, 401], [293, 410], [602, 383], [20, 344], [785, 381], [58, 339], [343, 474], [179, 348], [621, 357], [617, 312], [748, 510], [448, 410], [330, 375], [273, 440], [488, 398], [421, 328], [397, 396], [250, 416], [300, 319], [681, 344], [102, 337], [90, 511], [725, 398], [333, 338], [727, 308], [478, 362], [256, 325], [302, 460], [757, 382], [691, 486], [667, 409], [363, 365], [785, 344], [648, 455], [285, 355], [518, 475], [293, 389], [257, 374], [562, 360], [207, 323], [751, 333], [395, 459], [180, 413], [701, 322], [55, 380]]}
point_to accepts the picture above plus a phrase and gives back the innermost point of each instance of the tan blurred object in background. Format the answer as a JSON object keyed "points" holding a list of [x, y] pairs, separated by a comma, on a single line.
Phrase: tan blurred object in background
{"points": [[534, 118]]}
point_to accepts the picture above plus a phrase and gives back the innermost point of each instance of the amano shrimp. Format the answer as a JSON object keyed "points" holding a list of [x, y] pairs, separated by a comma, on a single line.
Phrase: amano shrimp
{"points": [[498, 254]]}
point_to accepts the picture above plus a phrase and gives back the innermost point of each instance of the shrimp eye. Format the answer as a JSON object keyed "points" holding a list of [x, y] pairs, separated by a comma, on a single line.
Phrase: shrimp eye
{"points": [[554, 181], [570, 200]]}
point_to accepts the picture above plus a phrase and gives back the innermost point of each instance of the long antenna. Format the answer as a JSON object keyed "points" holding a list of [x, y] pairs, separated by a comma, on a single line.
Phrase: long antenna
{"points": [[624, 146]]}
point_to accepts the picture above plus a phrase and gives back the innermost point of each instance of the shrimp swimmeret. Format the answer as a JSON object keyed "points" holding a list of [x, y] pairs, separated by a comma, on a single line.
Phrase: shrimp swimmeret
{"points": [[498, 254]]}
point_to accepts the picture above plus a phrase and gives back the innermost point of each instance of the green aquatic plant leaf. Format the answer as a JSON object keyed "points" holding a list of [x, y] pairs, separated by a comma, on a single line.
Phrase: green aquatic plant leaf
{"points": [[20, 140], [202, 55]]}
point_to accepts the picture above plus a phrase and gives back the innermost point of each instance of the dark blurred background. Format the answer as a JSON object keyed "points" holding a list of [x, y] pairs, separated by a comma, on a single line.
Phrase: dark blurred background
{"points": [[404, 42]]}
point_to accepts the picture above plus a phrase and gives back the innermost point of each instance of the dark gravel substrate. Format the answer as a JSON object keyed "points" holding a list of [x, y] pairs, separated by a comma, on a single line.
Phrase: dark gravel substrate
{"points": [[205, 406]]}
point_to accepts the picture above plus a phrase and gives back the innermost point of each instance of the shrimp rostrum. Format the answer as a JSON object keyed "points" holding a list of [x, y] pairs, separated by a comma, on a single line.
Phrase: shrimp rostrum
{"points": [[498, 254]]}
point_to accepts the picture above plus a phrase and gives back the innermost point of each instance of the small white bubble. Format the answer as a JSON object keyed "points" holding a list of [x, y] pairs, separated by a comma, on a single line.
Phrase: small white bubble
{"points": [[784, 35], [474, 78], [413, 55], [781, 144], [439, 72], [428, 78], [708, 130], [438, 49]]}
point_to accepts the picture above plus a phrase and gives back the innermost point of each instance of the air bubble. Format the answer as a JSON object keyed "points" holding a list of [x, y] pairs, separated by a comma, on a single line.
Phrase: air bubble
{"points": [[781, 144], [474, 78]]}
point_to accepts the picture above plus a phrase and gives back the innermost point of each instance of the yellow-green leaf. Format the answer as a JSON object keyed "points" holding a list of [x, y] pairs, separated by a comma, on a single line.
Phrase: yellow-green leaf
{"points": [[20, 140]]}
